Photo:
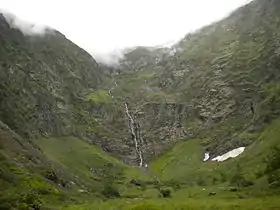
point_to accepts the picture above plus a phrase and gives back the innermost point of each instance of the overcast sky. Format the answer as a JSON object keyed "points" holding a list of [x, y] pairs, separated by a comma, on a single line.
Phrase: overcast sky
{"points": [[101, 26]]}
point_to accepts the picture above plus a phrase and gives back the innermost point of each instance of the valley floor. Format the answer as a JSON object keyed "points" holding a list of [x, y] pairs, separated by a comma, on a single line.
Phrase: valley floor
{"points": [[185, 204], [238, 183], [85, 177]]}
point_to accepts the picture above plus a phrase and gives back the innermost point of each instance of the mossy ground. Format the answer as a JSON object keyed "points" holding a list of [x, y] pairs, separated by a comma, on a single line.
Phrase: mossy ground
{"points": [[88, 161], [185, 203], [240, 183], [244, 62], [210, 185], [21, 189], [100, 96]]}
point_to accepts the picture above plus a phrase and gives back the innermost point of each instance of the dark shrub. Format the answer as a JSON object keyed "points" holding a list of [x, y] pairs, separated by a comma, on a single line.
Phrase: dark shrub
{"points": [[240, 181], [137, 182], [7, 175], [110, 191], [274, 179], [166, 192]]}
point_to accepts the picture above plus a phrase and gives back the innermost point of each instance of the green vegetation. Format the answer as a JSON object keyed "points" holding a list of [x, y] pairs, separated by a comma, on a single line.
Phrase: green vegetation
{"points": [[65, 140], [43, 79], [182, 158], [251, 168], [238, 183], [186, 204], [100, 96], [23, 190], [92, 165]]}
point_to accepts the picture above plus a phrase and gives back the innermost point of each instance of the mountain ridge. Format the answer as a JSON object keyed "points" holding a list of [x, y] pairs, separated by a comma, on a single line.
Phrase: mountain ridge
{"points": [[74, 131]]}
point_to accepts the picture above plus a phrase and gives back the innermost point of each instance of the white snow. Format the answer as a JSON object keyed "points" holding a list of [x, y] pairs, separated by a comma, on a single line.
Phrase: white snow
{"points": [[206, 156], [231, 154]]}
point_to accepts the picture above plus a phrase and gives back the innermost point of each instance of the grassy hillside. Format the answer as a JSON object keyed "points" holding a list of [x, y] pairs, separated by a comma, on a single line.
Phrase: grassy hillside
{"points": [[65, 140], [219, 83], [256, 165], [86, 161], [246, 182], [21, 189], [239, 183], [68, 172], [43, 79]]}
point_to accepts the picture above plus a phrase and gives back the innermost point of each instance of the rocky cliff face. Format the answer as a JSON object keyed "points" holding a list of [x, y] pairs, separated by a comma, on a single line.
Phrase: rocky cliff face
{"points": [[42, 82], [214, 91], [219, 84]]}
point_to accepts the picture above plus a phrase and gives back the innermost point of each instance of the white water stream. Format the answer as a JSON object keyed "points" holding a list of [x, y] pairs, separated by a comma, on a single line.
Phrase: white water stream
{"points": [[132, 125]]}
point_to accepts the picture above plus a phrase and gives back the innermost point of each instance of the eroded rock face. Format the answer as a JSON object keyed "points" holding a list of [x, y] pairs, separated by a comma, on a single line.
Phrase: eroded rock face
{"points": [[42, 81], [220, 84], [203, 90]]}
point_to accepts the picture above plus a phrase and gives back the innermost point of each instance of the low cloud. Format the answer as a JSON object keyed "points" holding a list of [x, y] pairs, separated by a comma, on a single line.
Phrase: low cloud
{"points": [[125, 26], [114, 58], [27, 28], [110, 59]]}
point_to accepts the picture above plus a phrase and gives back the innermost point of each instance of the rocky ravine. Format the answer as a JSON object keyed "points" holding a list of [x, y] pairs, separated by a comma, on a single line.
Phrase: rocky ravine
{"points": [[222, 93]]}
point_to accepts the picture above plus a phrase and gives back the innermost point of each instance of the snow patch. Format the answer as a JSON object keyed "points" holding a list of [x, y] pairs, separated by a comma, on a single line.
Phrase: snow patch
{"points": [[206, 156], [231, 154]]}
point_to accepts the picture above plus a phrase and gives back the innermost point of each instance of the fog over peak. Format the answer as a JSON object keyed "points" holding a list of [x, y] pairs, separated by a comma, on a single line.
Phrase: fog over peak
{"points": [[109, 58], [105, 27], [26, 27]]}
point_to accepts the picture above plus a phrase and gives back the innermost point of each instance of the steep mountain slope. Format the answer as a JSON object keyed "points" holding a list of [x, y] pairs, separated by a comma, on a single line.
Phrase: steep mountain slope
{"points": [[221, 83], [63, 172], [251, 168], [42, 80], [161, 109], [42, 87], [238, 72]]}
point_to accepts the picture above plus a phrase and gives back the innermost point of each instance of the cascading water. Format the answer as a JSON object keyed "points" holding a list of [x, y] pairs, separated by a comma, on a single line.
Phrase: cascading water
{"points": [[135, 133]]}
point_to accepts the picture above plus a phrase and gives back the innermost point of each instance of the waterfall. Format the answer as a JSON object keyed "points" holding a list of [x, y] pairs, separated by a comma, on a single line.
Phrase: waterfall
{"points": [[135, 133]]}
